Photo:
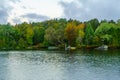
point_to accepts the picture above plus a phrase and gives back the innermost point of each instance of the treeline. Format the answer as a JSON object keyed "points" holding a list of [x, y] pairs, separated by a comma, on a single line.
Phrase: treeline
{"points": [[58, 32]]}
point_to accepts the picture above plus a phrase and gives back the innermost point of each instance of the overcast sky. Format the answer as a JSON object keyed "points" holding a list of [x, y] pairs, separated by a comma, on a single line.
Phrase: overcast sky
{"points": [[17, 11]]}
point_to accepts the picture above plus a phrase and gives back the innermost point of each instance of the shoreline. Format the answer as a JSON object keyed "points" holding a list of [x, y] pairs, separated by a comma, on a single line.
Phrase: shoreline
{"points": [[77, 48]]}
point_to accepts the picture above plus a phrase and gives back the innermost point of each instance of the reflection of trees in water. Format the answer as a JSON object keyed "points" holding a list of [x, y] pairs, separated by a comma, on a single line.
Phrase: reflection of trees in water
{"points": [[92, 57], [101, 58], [4, 65], [59, 65], [45, 64]]}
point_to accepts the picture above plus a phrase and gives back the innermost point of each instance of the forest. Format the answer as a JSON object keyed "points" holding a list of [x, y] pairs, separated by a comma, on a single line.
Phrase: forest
{"points": [[58, 32]]}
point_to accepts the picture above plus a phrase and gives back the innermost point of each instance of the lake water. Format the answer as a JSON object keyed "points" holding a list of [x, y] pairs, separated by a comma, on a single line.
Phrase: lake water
{"points": [[59, 65]]}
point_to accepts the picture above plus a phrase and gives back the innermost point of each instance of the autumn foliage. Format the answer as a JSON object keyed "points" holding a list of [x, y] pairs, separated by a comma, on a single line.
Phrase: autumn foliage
{"points": [[71, 32], [58, 32]]}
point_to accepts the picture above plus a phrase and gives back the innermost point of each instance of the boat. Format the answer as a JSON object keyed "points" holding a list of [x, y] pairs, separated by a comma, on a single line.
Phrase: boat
{"points": [[72, 48], [52, 47], [103, 47], [69, 48]]}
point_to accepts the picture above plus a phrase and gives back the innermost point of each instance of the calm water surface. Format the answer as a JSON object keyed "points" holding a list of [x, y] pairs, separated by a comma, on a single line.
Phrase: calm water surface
{"points": [[58, 65]]}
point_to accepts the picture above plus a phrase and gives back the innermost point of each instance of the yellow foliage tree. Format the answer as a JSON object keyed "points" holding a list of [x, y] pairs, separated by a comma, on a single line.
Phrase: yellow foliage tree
{"points": [[71, 33], [29, 35], [81, 26], [80, 31]]}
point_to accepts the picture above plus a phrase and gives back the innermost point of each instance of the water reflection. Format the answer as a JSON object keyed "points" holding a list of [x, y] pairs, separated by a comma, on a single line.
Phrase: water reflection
{"points": [[57, 65], [3, 66]]}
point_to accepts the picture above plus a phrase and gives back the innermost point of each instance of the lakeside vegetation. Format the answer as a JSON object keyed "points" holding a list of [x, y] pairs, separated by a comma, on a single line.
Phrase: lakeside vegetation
{"points": [[58, 32]]}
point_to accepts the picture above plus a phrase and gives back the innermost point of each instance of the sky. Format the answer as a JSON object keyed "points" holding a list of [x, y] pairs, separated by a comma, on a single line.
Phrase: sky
{"points": [[18, 11]]}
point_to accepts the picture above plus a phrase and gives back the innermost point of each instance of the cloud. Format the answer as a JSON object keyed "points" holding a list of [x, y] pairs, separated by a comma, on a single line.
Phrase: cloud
{"points": [[15, 1], [16, 21], [71, 9], [88, 9], [3, 15], [35, 17], [4, 11], [18, 10]]}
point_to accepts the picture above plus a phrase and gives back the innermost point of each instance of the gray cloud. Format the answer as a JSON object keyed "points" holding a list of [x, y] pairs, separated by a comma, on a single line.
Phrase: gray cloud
{"points": [[35, 17], [4, 12], [77, 9], [88, 9], [3, 15], [24, 7], [5, 9], [16, 20]]}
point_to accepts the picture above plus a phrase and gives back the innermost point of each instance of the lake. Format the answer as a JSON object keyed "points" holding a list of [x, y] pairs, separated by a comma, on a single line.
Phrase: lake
{"points": [[60, 65]]}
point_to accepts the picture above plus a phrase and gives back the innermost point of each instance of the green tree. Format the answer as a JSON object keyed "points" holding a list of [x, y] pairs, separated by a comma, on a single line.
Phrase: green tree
{"points": [[50, 35], [94, 23], [38, 36], [89, 34], [107, 33], [21, 44]]}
